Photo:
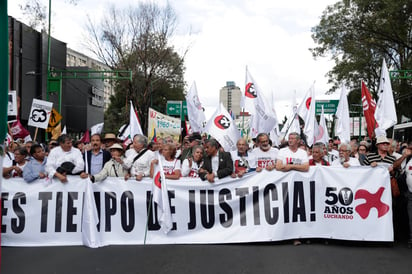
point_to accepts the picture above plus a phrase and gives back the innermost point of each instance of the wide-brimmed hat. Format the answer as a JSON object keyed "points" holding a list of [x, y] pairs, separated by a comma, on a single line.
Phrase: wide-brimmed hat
{"points": [[116, 146], [110, 137], [382, 140]]}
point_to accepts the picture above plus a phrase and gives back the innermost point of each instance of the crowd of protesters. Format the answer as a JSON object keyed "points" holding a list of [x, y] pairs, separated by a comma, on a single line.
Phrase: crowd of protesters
{"points": [[201, 157]]}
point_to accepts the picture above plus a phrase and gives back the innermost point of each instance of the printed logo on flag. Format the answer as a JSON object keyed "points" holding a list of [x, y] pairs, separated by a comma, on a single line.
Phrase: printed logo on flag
{"points": [[250, 91], [308, 101], [222, 122], [158, 180], [196, 102], [320, 132]]}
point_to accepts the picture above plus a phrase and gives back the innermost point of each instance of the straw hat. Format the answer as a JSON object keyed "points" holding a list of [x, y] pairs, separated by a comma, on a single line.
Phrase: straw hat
{"points": [[116, 146], [382, 140]]}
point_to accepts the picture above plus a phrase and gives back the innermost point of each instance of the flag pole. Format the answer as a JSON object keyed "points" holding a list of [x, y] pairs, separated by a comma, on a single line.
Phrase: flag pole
{"points": [[149, 209]]}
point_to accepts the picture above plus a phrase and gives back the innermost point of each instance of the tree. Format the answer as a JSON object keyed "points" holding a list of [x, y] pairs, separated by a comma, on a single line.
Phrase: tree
{"points": [[35, 12], [137, 39], [357, 35]]}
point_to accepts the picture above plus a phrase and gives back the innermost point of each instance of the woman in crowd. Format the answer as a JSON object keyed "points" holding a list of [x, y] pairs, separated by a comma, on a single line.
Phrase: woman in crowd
{"points": [[317, 156], [171, 165], [113, 167], [16, 168], [191, 165]]}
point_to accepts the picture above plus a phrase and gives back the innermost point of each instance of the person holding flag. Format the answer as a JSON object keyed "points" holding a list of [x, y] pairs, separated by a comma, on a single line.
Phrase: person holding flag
{"points": [[171, 165]]}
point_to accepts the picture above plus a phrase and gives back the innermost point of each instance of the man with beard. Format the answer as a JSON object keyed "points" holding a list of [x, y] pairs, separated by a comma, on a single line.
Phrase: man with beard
{"points": [[95, 158], [265, 155]]}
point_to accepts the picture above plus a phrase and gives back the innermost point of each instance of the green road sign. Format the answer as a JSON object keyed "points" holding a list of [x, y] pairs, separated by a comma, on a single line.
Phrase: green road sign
{"points": [[329, 106], [173, 108]]}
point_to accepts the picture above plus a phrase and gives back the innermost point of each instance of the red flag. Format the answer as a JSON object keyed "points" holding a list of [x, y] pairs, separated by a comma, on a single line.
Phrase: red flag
{"points": [[85, 138], [18, 131], [369, 106]]}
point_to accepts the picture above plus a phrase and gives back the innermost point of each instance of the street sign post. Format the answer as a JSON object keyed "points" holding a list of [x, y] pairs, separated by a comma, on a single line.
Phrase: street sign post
{"points": [[329, 106], [173, 108]]}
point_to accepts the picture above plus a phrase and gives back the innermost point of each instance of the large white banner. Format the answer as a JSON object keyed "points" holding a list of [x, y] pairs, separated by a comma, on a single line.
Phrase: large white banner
{"points": [[326, 202]]}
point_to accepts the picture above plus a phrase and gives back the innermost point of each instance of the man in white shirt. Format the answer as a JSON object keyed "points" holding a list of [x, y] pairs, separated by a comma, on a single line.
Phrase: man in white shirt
{"points": [[264, 154], [243, 159], [64, 160], [138, 158], [292, 157], [344, 159]]}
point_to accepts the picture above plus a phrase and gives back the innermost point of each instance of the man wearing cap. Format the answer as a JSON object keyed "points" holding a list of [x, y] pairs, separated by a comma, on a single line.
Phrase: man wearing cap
{"points": [[64, 160], [194, 139], [381, 157], [113, 167], [96, 158]]}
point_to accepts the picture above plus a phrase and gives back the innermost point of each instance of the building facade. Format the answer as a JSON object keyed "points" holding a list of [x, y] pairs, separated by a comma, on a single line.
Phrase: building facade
{"points": [[77, 59], [28, 60], [230, 96]]}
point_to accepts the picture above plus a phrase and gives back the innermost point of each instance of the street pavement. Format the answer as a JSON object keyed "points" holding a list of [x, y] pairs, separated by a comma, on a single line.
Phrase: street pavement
{"points": [[279, 257]]}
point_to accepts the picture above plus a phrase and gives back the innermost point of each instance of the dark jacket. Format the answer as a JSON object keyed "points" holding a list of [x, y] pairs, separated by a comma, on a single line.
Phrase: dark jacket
{"points": [[106, 157], [225, 165]]}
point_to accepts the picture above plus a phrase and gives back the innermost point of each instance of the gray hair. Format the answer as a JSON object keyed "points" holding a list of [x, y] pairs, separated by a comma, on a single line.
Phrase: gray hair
{"points": [[141, 139], [296, 135], [348, 147], [318, 145], [213, 143]]}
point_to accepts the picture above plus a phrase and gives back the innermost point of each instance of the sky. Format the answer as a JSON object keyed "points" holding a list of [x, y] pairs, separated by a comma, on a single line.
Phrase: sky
{"points": [[271, 38]]}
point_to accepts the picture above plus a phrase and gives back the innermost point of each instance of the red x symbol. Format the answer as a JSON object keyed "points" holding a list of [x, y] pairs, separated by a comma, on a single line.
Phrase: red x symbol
{"points": [[372, 200]]}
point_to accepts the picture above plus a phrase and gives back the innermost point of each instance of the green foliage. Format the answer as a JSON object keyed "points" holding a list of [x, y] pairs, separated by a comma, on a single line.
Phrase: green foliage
{"points": [[357, 35]]}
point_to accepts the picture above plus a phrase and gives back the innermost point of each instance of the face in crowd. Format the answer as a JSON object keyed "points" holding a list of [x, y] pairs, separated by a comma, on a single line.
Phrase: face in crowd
{"points": [[263, 142], [317, 153], [242, 146], [344, 152], [210, 149], [96, 142], [293, 140], [66, 144]]}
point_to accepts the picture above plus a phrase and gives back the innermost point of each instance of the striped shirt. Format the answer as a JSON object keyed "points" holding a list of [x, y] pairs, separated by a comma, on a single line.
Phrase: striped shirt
{"points": [[375, 157]]}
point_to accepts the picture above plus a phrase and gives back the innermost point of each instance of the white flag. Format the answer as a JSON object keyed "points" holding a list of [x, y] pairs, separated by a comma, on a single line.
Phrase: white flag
{"points": [[322, 134], [262, 119], [292, 124], [306, 111], [90, 219], [222, 127], [342, 126], [195, 112], [96, 129], [64, 131], [161, 197], [134, 123], [385, 112]]}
